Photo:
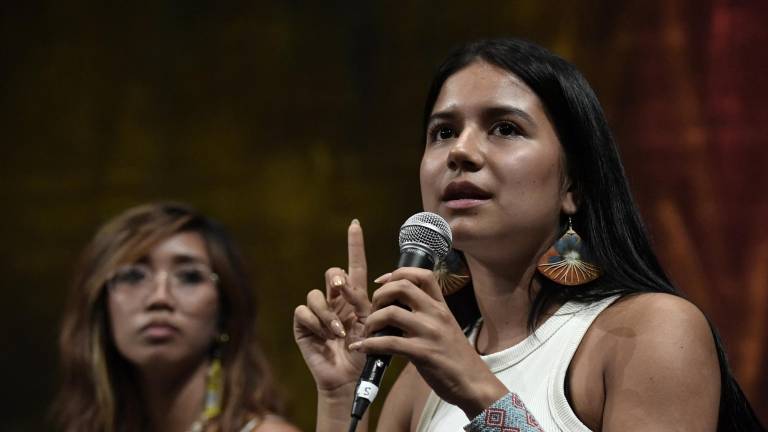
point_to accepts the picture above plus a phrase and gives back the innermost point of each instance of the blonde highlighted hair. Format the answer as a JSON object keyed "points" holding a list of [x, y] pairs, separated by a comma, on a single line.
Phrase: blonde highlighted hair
{"points": [[98, 392]]}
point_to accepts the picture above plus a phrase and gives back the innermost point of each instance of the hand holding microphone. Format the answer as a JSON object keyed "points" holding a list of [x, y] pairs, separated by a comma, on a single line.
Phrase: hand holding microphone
{"points": [[408, 317], [411, 300], [425, 239]]}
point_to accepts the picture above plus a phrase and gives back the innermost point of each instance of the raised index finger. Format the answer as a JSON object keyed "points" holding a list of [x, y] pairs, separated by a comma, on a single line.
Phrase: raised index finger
{"points": [[358, 268]]}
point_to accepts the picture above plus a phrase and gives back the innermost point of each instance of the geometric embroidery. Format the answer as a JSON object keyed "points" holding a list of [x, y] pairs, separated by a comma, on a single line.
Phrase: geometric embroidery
{"points": [[530, 420], [507, 414], [494, 417]]}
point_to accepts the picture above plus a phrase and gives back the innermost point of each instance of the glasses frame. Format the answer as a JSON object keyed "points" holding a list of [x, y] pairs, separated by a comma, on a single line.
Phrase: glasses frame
{"points": [[112, 285]]}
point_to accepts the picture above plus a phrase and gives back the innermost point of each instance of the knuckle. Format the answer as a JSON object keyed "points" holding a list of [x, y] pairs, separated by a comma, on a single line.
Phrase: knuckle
{"points": [[398, 313], [398, 275], [312, 296], [428, 351], [386, 313], [332, 271], [418, 350], [431, 329], [376, 296], [381, 296], [371, 326], [303, 316], [404, 284], [444, 314], [424, 273]]}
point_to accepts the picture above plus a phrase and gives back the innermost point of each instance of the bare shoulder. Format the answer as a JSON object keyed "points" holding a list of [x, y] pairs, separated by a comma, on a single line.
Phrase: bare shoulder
{"points": [[405, 401], [655, 328], [657, 351], [650, 311], [273, 423]]}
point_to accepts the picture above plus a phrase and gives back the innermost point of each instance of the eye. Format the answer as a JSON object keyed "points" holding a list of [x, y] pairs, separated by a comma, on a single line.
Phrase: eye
{"points": [[506, 129], [133, 275], [191, 276], [442, 133], [446, 133]]}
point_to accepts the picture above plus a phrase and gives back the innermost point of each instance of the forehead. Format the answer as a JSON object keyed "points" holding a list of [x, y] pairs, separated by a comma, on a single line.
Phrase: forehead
{"points": [[183, 244], [481, 84]]}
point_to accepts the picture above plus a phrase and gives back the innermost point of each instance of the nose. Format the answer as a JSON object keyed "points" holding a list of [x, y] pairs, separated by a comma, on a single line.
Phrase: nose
{"points": [[160, 291], [466, 153]]}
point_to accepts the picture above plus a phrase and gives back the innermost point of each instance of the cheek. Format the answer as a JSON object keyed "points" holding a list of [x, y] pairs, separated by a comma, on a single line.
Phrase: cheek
{"points": [[428, 178], [119, 323], [534, 182], [204, 315]]}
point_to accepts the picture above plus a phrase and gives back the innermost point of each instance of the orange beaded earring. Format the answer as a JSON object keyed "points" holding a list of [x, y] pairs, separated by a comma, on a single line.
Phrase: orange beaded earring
{"points": [[565, 263]]}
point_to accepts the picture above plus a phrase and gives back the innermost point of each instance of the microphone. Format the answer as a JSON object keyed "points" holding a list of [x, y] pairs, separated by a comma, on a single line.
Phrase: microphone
{"points": [[425, 239]]}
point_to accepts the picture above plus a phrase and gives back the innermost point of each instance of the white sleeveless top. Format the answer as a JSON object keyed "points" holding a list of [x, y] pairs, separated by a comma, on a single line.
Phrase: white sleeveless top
{"points": [[534, 369]]}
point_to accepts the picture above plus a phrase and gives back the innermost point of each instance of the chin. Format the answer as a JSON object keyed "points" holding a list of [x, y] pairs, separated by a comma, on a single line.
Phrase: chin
{"points": [[466, 222], [157, 356], [471, 234], [464, 233]]}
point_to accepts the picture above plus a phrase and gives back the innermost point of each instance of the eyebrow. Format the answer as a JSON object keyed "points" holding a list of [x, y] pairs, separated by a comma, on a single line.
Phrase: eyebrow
{"points": [[188, 259], [176, 260], [492, 111], [509, 110]]}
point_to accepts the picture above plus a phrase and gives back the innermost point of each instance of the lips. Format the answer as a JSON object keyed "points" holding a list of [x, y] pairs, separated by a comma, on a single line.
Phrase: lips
{"points": [[158, 329], [464, 190]]}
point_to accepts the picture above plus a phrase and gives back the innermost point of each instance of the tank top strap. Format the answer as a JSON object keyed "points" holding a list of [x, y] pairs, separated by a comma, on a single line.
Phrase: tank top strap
{"points": [[563, 414]]}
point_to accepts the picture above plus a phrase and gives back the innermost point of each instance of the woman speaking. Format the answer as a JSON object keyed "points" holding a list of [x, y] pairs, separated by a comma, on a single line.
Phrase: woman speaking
{"points": [[577, 326]]}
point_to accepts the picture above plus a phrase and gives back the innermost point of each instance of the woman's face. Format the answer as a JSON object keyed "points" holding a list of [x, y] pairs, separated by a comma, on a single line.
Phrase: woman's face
{"points": [[164, 308], [493, 165]]}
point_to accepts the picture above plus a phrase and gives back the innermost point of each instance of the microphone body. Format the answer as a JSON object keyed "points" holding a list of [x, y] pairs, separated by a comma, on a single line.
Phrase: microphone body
{"points": [[424, 239]]}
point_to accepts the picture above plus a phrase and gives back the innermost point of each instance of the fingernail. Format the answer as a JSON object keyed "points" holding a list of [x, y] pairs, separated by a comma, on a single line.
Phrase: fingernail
{"points": [[337, 281], [382, 278], [355, 346], [355, 222], [338, 328]]}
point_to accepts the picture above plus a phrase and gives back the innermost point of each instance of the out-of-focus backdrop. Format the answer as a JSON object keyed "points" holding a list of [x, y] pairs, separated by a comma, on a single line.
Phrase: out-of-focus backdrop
{"points": [[285, 120]]}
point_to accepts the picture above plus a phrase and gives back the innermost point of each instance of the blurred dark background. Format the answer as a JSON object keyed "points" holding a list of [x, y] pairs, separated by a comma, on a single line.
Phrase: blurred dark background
{"points": [[285, 120]]}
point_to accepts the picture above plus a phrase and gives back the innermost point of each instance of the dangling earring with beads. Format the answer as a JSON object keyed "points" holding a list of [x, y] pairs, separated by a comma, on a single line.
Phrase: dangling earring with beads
{"points": [[215, 382], [214, 386], [566, 261]]}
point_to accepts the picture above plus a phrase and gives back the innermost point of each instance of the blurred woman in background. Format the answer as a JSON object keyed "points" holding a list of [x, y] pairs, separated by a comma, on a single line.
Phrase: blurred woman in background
{"points": [[160, 331]]}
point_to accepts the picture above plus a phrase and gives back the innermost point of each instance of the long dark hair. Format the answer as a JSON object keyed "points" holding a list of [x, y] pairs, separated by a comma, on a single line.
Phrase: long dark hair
{"points": [[98, 392], [607, 219]]}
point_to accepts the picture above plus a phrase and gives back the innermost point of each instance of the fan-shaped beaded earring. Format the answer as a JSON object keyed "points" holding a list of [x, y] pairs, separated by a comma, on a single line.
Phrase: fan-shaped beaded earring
{"points": [[452, 273], [566, 262]]}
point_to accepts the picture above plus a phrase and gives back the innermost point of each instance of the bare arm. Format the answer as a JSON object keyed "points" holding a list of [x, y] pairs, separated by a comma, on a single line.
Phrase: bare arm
{"points": [[404, 402], [661, 367], [275, 424]]}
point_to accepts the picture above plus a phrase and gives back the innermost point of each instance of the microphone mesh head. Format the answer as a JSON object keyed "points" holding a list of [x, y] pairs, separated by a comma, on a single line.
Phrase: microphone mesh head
{"points": [[427, 231]]}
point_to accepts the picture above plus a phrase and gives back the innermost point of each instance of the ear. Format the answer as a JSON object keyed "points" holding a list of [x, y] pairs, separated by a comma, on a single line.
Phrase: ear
{"points": [[569, 204]]}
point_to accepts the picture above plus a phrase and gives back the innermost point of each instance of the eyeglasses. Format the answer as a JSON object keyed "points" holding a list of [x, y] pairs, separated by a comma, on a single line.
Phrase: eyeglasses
{"points": [[138, 280]]}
